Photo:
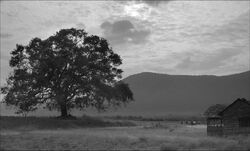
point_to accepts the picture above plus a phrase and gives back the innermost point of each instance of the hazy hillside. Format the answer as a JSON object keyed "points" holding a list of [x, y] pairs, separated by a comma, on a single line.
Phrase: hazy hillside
{"points": [[162, 94]]}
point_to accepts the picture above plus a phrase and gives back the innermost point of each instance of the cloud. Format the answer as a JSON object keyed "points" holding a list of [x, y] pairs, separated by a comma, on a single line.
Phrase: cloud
{"points": [[80, 25], [198, 60], [5, 35], [153, 2], [231, 31], [236, 29], [123, 31]]}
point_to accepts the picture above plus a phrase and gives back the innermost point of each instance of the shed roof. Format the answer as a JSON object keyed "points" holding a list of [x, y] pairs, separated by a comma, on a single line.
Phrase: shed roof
{"points": [[238, 100]]}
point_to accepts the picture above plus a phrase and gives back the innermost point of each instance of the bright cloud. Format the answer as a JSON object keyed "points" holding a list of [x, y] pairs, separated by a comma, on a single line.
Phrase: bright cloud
{"points": [[138, 10]]}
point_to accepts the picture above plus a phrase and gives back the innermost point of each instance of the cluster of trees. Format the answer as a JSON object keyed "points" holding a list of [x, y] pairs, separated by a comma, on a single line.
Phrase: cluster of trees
{"points": [[70, 69], [214, 110]]}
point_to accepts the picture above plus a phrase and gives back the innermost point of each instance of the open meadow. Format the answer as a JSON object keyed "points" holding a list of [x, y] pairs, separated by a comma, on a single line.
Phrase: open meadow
{"points": [[35, 133]]}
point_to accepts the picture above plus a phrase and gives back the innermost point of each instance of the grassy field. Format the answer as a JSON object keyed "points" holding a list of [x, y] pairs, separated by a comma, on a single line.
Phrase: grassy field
{"points": [[35, 123], [89, 133]]}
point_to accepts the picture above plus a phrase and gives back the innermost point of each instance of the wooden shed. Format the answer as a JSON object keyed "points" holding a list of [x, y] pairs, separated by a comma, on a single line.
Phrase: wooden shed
{"points": [[214, 121], [236, 118], [233, 120]]}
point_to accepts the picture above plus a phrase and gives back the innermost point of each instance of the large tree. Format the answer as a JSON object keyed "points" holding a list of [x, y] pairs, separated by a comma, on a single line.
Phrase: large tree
{"points": [[214, 110], [70, 69]]}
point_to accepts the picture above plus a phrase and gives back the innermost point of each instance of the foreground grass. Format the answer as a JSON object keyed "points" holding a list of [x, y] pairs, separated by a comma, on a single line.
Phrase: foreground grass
{"points": [[148, 135], [117, 139]]}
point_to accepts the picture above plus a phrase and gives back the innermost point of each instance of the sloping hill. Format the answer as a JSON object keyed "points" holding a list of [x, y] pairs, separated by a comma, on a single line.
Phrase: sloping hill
{"points": [[185, 94]]}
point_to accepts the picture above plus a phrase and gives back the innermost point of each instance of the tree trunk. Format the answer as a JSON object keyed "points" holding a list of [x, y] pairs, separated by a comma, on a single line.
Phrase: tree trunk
{"points": [[63, 106], [64, 111]]}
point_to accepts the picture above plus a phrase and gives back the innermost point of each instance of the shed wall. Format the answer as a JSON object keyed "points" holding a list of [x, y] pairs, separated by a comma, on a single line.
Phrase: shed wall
{"points": [[214, 127], [231, 116]]}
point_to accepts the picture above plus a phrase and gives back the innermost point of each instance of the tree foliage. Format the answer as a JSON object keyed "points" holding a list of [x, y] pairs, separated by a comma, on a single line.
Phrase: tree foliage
{"points": [[214, 110], [70, 69]]}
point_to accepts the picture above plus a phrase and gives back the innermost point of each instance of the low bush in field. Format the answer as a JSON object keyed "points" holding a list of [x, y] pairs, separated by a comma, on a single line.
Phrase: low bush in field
{"points": [[56, 123], [199, 119]]}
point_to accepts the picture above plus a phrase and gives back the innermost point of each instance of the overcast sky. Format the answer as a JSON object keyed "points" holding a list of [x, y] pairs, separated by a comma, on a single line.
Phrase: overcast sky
{"points": [[175, 37]]}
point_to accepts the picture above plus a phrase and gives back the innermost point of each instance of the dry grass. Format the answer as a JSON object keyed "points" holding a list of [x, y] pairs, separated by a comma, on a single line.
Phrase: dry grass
{"points": [[167, 136]]}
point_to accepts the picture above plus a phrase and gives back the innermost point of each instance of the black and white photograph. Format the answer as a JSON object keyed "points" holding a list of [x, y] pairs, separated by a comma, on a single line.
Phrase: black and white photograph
{"points": [[160, 75]]}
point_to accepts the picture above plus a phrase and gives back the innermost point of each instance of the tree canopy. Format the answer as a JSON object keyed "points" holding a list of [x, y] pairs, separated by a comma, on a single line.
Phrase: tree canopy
{"points": [[214, 110], [70, 69]]}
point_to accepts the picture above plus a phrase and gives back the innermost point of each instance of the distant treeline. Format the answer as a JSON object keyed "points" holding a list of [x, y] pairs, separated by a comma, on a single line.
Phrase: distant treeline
{"points": [[158, 118]]}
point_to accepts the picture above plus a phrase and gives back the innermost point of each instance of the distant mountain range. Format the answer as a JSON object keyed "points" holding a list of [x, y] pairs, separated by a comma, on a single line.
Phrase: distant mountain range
{"points": [[185, 94], [162, 94]]}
